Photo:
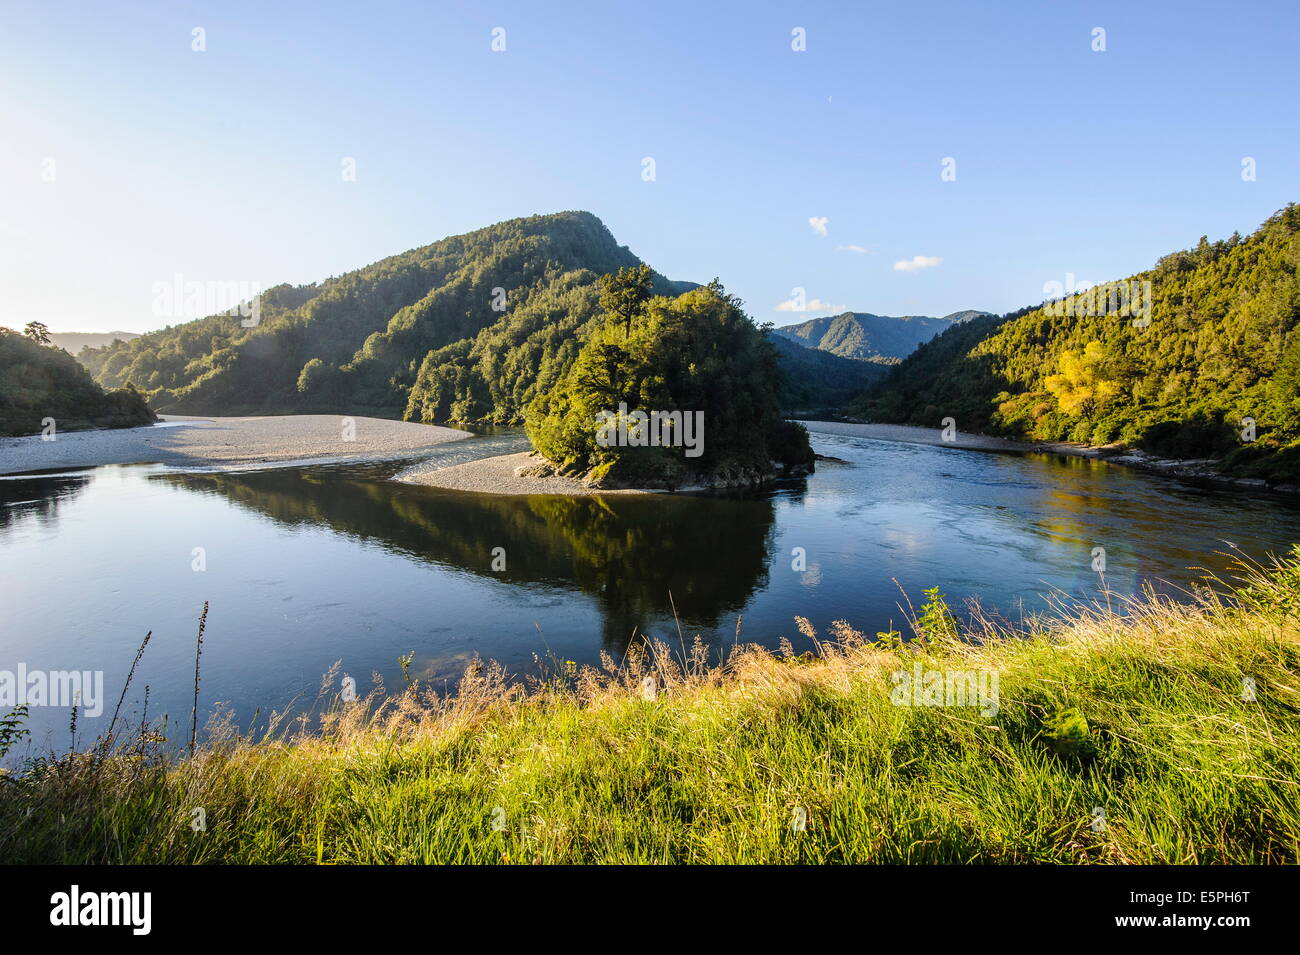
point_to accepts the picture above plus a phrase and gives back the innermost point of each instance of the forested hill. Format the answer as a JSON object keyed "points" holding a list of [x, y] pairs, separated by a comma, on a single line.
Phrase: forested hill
{"points": [[817, 382], [40, 384], [866, 337], [357, 342], [1213, 362], [468, 330]]}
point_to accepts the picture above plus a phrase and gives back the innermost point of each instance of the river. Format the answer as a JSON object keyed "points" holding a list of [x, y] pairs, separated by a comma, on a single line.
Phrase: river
{"points": [[305, 566]]}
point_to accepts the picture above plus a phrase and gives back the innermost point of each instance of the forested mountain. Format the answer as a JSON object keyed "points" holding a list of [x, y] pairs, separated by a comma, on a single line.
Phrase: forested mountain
{"points": [[466, 330], [1212, 364], [40, 381], [357, 341], [965, 315], [816, 380], [882, 339]]}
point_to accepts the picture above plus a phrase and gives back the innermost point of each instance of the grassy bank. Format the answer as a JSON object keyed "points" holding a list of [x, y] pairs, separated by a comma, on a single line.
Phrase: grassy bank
{"points": [[1141, 716]]}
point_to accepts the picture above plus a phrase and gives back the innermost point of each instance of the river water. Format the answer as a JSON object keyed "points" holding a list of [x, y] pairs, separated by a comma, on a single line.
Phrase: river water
{"points": [[306, 566]]}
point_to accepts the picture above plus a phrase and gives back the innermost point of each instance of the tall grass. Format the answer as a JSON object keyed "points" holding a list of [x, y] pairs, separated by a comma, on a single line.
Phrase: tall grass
{"points": [[1119, 738]]}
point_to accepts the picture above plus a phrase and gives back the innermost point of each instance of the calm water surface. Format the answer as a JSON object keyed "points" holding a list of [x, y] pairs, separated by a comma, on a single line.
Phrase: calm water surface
{"points": [[306, 566]]}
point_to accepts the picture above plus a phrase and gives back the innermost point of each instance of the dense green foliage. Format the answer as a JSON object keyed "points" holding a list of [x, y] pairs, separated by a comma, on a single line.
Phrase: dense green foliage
{"points": [[357, 341], [491, 379], [1221, 346], [363, 333], [697, 353], [882, 339], [813, 380], [39, 381]]}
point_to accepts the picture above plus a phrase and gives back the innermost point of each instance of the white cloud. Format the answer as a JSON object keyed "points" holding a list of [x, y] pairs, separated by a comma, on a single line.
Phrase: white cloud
{"points": [[916, 263], [861, 250], [818, 224], [811, 305]]}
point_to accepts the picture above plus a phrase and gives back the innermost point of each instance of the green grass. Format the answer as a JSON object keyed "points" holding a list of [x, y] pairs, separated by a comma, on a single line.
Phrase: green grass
{"points": [[1139, 714]]}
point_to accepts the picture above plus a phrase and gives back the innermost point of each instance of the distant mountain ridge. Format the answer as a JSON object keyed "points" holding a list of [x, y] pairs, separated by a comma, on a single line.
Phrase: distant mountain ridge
{"points": [[73, 342], [862, 336]]}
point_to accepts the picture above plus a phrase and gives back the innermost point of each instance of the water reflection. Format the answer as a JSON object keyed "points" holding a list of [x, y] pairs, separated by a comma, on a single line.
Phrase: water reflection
{"points": [[38, 499], [638, 556]]}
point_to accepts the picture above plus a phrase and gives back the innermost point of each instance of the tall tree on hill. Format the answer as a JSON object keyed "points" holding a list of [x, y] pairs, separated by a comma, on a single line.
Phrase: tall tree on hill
{"points": [[625, 293], [37, 332]]}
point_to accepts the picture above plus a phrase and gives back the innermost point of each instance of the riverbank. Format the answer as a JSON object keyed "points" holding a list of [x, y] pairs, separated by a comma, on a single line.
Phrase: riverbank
{"points": [[909, 434], [1194, 471], [183, 441], [505, 474], [1168, 734], [529, 473]]}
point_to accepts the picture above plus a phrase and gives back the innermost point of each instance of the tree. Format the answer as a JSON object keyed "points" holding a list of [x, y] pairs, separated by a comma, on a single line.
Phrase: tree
{"points": [[685, 364], [313, 373], [37, 332], [624, 294], [1081, 387]]}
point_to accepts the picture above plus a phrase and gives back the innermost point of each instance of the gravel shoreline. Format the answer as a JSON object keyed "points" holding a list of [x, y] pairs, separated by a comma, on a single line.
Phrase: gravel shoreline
{"points": [[227, 443], [496, 475], [244, 442], [909, 434]]}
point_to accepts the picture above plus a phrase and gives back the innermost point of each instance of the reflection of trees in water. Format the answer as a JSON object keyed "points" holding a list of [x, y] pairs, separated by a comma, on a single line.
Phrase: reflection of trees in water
{"points": [[38, 498], [632, 552], [1153, 532], [627, 551]]}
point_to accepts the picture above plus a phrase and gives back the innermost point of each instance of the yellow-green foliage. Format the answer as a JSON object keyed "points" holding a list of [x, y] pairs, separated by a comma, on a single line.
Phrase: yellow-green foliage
{"points": [[1221, 343], [1080, 386]]}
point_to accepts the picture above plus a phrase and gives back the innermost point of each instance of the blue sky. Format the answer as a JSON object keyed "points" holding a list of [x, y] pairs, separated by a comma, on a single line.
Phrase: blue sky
{"points": [[226, 164]]}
